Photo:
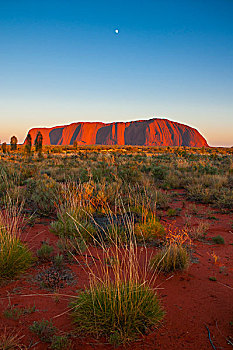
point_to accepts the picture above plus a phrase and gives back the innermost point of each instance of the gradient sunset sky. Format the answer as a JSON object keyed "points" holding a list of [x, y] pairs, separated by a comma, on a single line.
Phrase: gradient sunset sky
{"points": [[61, 62]]}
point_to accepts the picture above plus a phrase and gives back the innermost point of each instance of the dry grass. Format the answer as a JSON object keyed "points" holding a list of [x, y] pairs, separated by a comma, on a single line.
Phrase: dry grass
{"points": [[174, 256], [15, 257], [120, 302], [10, 340]]}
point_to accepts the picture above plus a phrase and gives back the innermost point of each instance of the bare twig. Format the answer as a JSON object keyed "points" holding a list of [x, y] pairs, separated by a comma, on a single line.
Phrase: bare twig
{"points": [[212, 344]]}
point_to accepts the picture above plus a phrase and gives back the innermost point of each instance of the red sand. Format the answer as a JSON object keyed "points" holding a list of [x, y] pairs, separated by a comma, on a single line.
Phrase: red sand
{"points": [[190, 299]]}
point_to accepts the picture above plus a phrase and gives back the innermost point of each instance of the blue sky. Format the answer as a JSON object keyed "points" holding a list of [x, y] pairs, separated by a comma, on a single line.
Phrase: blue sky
{"points": [[61, 61]]}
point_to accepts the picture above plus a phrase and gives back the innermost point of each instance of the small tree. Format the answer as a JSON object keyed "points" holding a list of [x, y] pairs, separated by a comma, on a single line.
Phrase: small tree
{"points": [[4, 147], [28, 144], [38, 142], [75, 144], [14, 142]]}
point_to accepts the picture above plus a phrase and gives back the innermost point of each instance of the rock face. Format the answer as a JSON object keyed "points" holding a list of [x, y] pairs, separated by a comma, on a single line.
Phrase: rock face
{"points": [[153, 132]]}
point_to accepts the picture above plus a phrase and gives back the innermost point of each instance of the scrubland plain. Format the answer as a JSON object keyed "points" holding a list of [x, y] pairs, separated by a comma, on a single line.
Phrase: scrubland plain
{"points": [[127, 247]]}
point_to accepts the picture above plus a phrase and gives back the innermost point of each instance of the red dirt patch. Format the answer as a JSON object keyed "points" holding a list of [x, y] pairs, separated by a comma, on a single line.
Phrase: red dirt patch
{"points": [[191, 300]]}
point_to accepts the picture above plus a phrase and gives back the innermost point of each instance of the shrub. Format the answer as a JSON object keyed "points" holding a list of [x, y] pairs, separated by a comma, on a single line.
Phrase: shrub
{"points": [[172, 212], [218, 239], [44, 329], [15, 313], [149, 230], [38, 142], [13, 143], [58, 261], [45, 251], [71, 246], [225, 199], [159, 173], [117, 311], [162, 199], [212, 278], [64, 225], [200, 193], [200, 230], [60, 342], [41, 194], [28, 144], [171, 258], [4, 147]]}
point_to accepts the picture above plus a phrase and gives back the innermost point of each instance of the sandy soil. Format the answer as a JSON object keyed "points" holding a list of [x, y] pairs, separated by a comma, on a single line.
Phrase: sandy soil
{"points": [[191, 300]]}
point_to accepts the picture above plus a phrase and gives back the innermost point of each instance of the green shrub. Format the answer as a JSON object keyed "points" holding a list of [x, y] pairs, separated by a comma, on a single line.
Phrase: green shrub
{"points": [[41, 195], [58, 261], [172, 212], [65, 224], [159, 173], [71, 246], [44, 329], [15, 313], [218, 239], [45, 251], [119, 312], [149, 230], [225, 199], [60, 342], [212, 278], [171, 258], [162, 199]]}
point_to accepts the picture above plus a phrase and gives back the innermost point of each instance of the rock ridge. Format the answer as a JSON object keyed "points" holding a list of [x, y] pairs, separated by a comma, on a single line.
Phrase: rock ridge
{"points": [[152, 132]]}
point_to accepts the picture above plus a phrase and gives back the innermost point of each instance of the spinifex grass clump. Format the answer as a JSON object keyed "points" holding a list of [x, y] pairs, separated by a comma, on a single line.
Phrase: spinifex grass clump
{"points": [[15, 257], [120, 303], [174, 255], [118, 311], [73, 202]]}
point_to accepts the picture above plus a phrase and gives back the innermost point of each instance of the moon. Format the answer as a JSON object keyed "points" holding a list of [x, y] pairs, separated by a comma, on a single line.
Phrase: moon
{"points": [[116, 31]]}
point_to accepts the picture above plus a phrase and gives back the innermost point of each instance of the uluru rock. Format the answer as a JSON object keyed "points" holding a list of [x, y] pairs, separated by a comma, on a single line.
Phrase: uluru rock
{"points": [[153, 132]]}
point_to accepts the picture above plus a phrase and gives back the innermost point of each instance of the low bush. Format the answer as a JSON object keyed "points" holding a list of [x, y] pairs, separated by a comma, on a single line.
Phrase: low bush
{"points": [[60, 342], [71, 246], [218, 239], [44, 330], [149, 230], [45, 251], [41, 194], [171, 258], [200, 230]]}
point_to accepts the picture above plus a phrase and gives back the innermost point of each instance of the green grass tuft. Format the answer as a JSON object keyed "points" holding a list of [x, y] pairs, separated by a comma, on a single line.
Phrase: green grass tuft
{"points": [[15, 257], [218, 239], [119, 312], [171, 258]]}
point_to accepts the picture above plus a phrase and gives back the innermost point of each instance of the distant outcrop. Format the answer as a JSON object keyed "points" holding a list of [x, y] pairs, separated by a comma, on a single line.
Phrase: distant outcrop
{"points": [[153, 132]]}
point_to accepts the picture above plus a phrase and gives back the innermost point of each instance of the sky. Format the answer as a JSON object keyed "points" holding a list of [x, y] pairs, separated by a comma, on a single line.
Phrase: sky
{"points": [[62, 62]]}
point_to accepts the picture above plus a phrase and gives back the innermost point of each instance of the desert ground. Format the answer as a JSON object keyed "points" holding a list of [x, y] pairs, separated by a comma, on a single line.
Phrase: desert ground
{"points": [[83, 218]]}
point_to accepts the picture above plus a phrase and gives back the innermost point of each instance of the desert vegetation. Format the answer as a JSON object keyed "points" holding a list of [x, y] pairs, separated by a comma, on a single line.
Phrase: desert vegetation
{"points": [[94, 231]]}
